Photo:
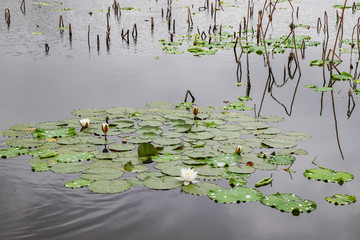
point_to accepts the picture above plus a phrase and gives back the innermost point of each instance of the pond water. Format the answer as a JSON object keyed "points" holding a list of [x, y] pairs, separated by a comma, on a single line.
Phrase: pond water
{"points": [[37, 86]]}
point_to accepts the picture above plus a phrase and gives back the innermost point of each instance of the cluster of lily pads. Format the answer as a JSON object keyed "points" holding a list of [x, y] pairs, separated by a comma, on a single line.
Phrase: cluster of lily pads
{"points": [[160, 147], [198, 45]]}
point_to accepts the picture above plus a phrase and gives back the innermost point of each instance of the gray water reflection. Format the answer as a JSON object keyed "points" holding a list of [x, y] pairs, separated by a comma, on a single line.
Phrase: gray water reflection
{"points": [[36, 87]]}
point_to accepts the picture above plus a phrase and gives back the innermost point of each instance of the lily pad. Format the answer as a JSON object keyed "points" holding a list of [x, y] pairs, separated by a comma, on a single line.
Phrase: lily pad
{"points": [[108, 186], [88, 112], [200, 189], [341, 199], [42, 153], [40, 167], [79, 183], [69, 167], [48, 133], [162, 183], [328, 175], [237, 181], [278, 142], [282, 160], [13, 152], [241, 169], [119, 147], [224, 160], [235, 195], [25, 142], [165, 158], [159, 105], [144, 175], [287, 202], [101, 174], [24, 127]]}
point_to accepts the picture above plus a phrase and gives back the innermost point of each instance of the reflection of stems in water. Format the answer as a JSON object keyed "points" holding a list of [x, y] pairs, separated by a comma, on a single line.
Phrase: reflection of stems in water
{"points": [[336, 124], [186, 96], [293, 98], [7, 17], [89, 36], [61, 21], [70, 32], [47, 48], [134, 32], [248, 75], [152, 23], [98, 42], [351, 101], [313, 162], [22, 7]]}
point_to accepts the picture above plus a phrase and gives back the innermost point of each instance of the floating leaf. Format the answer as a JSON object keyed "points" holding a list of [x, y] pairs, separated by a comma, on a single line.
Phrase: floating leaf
{"points": [[159, 105], [68, 158], [144, 175], [88, 112], [79, 183], [287, 202], [43, 153], [13, 133], [165, 158], [342, 77], [341, 199], [25, 127], [264, 181], [25, 142], [224, 160], [48, 133], [328, 175], [277, 142], [162, 183], [102, 174], [237, 181], [13, 152], [119, 147], [235, 195], [241, 169], [200, 189], [40, 167], [324, 89], [282, 160], [147, 150], [69, 167], [108, 186]]}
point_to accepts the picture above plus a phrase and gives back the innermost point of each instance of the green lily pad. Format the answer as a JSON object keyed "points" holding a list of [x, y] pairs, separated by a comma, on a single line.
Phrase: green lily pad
{"points": [[78, 156], [119, 147], [79, 183], [200, 189], [289, 151], [147, 150], [167, 141], [48, 133], [229, 174], [237, 181], [264, 182], [88, 112], [269, 118], [13, 152], [24, 127], [328, 175], [282, 160], [109, 186], [42, 153], [102, 174], [323, 89], [106, 155], [165, 158], [162, 183], [287, 202], [342, 77], [144, 175], [235, 195], [159, 105], [341, 199], [206, 170], [224, 160], [277, 142], [12, 133], [68, 141], [40, 167], [199, 135], [25, 142], [69, 167], [241, 169]]}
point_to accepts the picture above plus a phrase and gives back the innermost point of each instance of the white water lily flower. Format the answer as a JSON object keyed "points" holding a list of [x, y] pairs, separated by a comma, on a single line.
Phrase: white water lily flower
{"points": [[188, 175], [84, 122], [105, 127]]}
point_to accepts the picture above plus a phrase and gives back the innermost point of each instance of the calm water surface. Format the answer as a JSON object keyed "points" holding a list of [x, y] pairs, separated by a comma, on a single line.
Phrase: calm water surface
{"points": [[37, 87]]}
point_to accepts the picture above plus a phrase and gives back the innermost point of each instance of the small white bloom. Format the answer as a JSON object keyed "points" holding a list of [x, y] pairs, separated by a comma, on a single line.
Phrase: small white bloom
{"points": [[188, 175], [84, 122]]}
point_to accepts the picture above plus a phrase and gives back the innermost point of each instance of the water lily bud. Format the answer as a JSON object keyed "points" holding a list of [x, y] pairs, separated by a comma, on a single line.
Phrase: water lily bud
{"points": [[84, 122], [195, 111], [239, 150], [105, 127]]}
